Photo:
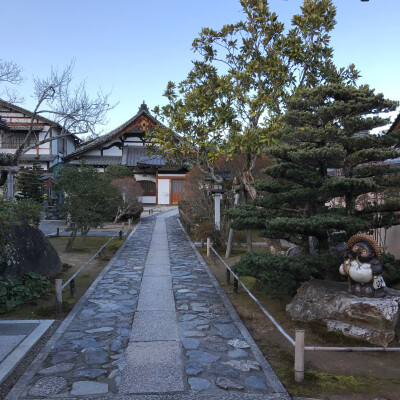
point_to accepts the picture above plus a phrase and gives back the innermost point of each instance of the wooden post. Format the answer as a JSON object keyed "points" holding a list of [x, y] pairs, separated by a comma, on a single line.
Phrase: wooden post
{"points": [[129, 224], [208, 246], [120, 235], [299, 356], [58, 287], [228, 276], [235, 285], [72, 288], [58, 232]]}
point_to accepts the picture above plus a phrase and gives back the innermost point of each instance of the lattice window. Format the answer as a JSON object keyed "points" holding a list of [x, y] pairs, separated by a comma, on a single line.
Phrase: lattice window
{"points": [[177, 186], [148, 187]]}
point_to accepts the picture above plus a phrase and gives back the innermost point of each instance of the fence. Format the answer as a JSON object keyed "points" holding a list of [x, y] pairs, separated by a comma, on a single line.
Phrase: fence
{"points": [[298, 342], [59, 286]]}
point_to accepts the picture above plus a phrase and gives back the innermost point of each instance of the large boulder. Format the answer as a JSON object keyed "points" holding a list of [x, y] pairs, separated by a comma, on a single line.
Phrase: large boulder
{"points": [[326, 302], [31, 251]]}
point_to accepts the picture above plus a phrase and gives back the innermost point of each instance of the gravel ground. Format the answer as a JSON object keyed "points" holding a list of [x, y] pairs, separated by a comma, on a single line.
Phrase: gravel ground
{"points": [[9, 383]]}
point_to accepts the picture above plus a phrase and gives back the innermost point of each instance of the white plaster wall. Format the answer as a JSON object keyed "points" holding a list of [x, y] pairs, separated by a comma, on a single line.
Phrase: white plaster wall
{"points": [[93, 153], [163, 191], [148, 199], [113, 151], [393, 240], [147, 177]]}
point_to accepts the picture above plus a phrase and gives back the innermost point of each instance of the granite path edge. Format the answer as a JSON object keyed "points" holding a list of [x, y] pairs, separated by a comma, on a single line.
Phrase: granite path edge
{"points": [[28, 375], [273, 380], [181, 396]]}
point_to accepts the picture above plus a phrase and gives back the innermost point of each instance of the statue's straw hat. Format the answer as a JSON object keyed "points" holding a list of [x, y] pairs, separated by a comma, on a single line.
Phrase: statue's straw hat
{"points": [[362, 237]]}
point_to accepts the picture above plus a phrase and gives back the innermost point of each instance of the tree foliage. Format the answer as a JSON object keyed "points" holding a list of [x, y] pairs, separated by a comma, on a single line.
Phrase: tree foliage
{"points": [[326, 131], [30, 182], [232, 98], [117, 172], [91, 200]]}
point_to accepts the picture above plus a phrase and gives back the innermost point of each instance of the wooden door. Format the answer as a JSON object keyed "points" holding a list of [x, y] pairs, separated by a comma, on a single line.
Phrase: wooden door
{"points": [[176, 190]]}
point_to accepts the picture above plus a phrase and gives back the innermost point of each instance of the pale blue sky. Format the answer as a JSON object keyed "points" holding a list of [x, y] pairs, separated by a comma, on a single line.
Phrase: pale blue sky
{"points": [[135, 47]]}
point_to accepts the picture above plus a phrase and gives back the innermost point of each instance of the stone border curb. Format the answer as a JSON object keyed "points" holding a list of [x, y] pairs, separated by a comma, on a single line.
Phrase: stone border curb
{"points": [[23, 381], [8, 365], [272, 379]]}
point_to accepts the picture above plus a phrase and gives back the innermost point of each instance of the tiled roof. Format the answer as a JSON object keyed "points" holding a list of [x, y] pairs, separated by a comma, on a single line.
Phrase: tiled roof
{"points": [[152, 160], [105, 138], [132, 154], [98, 160]]}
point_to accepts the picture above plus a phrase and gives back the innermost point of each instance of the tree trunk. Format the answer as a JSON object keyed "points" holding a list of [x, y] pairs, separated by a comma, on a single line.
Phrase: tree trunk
{"points": [[71, 240], [231, 231], [249, 240]]}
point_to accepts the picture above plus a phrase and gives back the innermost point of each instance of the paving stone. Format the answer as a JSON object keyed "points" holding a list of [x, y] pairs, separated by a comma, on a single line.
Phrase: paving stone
{"points": [[201, 356], [90, 373], [154, 325], [224, 320], [203, 327], [240, 344], [54, 369], [193, 334], [238, 353], [190, 344], [243, 365], [48, 386], [183, 307], [194, 369], [116, 344], [255, 382], [62, 356], [82, 388], [227, 384], [98, 330], [216, 347], [228, 331], [223, 370], [199, 383], [95, 356], [106, 315], [187, 317]]}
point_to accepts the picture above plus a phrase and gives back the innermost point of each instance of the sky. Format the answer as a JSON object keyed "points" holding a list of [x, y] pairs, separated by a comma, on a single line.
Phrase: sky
{"points": [[133, 48]]}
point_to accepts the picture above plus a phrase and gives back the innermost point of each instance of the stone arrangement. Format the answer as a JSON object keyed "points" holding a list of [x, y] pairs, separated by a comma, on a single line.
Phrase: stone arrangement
{"points": [[371, 319], [152, 326]]}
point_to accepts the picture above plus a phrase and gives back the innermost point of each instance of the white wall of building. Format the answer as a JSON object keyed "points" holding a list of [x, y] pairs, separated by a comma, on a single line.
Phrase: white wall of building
{"points": [[113, 151], [163, 191], [145, 177], [148, 199]]}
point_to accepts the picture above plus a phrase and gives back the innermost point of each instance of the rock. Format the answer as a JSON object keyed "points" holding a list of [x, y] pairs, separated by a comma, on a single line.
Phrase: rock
{"points": [[199, 383], [31, 252], [255, 382], [99, 330], [194, 369], [239, 344], [326, 302], [48, 386], [95, 356], [82, 388], [190, 344], [226, 384], [223, 370], [243, 365], [294, 251], [116, 344], [201, 356], [187, 317], [55, 369]]}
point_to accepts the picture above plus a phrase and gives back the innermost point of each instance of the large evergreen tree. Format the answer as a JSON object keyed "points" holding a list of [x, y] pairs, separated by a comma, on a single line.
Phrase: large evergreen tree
{"points": [[30, 182], [324, 153]]}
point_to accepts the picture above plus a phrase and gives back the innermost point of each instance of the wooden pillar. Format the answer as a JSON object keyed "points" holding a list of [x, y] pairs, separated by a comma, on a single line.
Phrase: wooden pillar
{"points": [[10, 184], [208, 246], [299, 356], [58, 287]]}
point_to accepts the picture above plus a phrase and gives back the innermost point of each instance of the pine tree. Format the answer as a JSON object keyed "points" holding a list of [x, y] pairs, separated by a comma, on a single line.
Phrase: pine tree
{"points": [[325, 135], [30, 182]]}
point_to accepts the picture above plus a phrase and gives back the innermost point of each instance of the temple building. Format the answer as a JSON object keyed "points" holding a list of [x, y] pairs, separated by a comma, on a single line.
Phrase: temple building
{"points": [[126, 145]]}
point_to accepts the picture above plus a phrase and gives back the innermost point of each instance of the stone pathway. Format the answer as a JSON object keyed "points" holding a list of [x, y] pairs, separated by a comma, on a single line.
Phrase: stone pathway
{"points": [[154, 325]]}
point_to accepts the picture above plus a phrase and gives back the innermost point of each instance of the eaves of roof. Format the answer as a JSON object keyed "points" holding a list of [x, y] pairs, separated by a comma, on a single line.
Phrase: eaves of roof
{"points": [[143, 110]]}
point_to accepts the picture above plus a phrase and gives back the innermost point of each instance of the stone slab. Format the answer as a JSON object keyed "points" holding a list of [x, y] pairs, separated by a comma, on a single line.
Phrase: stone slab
{"points": [[31, 330], [155, 283], [154, 325], [155, 366], [8, 344], [162, 300]]}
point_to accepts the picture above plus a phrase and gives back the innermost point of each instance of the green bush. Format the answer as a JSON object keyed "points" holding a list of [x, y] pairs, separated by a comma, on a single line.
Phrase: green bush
{"points": [[282, 275], [391, 269], [20, 290]]}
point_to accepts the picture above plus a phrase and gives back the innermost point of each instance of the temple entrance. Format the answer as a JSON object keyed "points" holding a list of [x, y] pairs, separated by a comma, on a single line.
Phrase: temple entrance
{"points": [[176, 190]]}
